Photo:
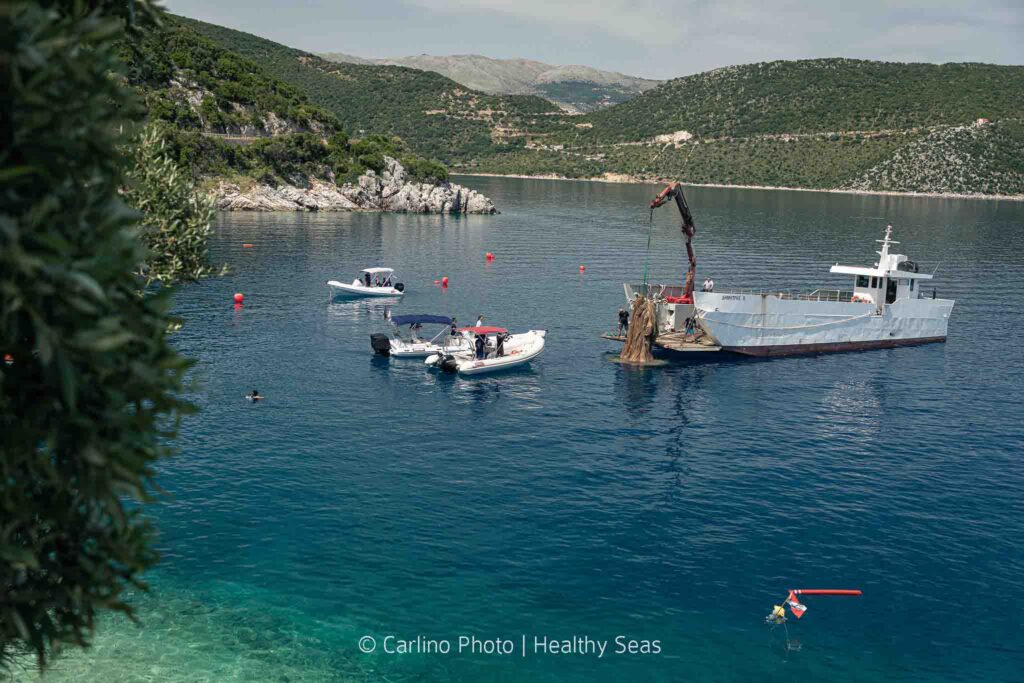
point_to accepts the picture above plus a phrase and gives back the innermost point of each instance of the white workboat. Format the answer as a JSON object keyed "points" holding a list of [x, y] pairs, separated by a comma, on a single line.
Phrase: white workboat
{"points": [[885, 308], [371, 282], [501, 351], [408, 341]]}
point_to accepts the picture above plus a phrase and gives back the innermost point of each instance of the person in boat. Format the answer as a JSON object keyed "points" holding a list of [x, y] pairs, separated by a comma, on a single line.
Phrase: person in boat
{"points": [[387, 281], [499, 348], [481, 347], [414, 331], [479, 321], [254, 396], [367, 278], [455, 329], [623, 322], [704, 286], [691, 328], [711, 285]]}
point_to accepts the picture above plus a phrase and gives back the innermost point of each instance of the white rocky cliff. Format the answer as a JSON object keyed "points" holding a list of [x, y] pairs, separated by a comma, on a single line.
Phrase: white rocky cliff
{"points": [[392, 190]]}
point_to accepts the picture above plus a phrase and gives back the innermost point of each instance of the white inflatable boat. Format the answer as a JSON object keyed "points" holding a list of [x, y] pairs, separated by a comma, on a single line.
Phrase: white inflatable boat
{"points": [[372, 282], [499, 351]]}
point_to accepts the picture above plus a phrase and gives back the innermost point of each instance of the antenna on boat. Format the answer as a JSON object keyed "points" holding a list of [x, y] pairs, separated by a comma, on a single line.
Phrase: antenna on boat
{"points": [[885, 244]]}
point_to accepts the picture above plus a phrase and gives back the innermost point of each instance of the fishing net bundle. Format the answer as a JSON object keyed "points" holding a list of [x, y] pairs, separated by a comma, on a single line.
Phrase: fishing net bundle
{"points": [[641, 334]]}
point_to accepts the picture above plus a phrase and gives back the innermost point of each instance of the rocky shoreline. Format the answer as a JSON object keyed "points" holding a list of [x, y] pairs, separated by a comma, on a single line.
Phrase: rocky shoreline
{"points": [[392, 190]]}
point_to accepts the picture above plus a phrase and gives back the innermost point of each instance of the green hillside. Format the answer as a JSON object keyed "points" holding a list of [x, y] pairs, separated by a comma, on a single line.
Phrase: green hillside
{"points": [[823, 123], [212, 99], [816, 95], [435, 115], [826, 124]]}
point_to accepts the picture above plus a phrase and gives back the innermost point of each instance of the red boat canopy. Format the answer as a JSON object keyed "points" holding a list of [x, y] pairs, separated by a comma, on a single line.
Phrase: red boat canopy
{"points": [[483, 330]]}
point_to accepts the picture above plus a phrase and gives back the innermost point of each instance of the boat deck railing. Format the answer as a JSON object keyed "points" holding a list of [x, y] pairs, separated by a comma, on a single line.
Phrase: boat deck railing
{"points": [[661, 291], [794, 294], [654, 290]]}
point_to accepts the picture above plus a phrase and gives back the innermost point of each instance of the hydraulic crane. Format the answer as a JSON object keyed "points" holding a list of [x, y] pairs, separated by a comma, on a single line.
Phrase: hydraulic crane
{"points": [[675, 190]]}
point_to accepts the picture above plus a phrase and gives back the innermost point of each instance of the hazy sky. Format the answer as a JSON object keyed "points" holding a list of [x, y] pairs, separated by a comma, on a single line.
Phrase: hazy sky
{"points": [[652, 38]]}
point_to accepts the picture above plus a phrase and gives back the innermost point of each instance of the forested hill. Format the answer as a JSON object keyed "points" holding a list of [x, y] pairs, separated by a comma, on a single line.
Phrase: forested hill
{"points": [[227, 117], [816, 95], [820, 123], [435, 115]]}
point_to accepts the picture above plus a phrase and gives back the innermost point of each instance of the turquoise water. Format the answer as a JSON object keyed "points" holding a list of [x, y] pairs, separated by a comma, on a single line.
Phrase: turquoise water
{"points": [[580, 497]]}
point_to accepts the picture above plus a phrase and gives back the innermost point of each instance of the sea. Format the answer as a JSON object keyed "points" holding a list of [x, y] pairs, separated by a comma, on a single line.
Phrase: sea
{"points": [[374, 520]]}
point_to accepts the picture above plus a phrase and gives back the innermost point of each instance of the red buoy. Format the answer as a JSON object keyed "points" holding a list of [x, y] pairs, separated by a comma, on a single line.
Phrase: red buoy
{"points": [[239, 297], [437, 282], [246, 246], [582, 268], [444, 281], [490, 256]]}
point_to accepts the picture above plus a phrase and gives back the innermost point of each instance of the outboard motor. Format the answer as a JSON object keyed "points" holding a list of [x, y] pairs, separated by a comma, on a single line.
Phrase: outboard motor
{"points": [[400, 287], [381, 344], [448, 363]]}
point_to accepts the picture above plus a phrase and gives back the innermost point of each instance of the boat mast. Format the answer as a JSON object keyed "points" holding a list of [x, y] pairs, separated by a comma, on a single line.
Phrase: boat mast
{"points": [[883, 264]]}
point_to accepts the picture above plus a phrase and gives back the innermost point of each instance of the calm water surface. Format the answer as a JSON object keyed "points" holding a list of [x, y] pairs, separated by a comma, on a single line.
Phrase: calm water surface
{"points": [[580, 497]]}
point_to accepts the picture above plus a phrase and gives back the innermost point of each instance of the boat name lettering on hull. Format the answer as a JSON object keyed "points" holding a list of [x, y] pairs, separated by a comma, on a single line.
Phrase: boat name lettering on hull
{"points": [[733, 297]]}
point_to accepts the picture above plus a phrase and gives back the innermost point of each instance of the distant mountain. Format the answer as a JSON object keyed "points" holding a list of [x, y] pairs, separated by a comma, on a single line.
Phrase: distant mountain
{"points": [[576, 88]]}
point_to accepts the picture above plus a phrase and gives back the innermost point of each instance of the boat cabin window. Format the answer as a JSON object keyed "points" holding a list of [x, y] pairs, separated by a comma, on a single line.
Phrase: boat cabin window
{"points": [[874, 283], [862, 281]]}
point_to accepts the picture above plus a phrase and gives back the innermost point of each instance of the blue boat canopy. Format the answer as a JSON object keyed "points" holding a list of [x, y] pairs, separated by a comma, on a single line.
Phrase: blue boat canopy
{"points": [[400, 320]]}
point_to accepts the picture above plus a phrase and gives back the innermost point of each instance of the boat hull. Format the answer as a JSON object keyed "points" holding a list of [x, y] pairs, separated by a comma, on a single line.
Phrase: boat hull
{"points": [[771, 325], [340, 290], [802, 349], [426, 349]]}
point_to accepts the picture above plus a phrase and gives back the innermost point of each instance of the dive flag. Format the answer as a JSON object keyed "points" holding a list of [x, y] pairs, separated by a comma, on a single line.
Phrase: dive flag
{"points": [[795, 606]]}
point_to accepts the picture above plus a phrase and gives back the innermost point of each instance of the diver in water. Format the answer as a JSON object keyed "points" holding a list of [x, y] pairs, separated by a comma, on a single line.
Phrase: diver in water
{"points": [[254, 396]]}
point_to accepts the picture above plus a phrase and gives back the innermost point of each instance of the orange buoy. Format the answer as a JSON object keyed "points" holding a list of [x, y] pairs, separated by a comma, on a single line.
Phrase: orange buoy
{"points": [[239, 297], [247, 246], [444, 281]]}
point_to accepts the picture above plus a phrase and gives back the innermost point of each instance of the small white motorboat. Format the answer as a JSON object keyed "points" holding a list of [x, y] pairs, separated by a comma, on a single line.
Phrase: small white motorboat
{"points": [[416, 346], [372, 282], [499, 350]]}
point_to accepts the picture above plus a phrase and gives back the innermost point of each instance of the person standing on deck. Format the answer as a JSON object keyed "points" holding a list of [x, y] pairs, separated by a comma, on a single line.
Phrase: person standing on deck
{"points": [[479, 321], [623, 322]]}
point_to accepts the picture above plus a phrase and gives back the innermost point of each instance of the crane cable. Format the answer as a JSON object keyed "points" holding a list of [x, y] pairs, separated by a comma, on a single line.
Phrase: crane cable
{"points": [[647, 258]]}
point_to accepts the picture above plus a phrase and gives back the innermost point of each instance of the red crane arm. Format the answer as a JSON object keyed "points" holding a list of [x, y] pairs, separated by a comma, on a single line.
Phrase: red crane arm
{"points": [[675, 191]]}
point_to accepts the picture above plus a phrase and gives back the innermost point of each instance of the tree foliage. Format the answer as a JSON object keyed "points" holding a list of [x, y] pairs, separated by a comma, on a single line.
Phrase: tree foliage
{"points": [[176, 218], [90, 389]]}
